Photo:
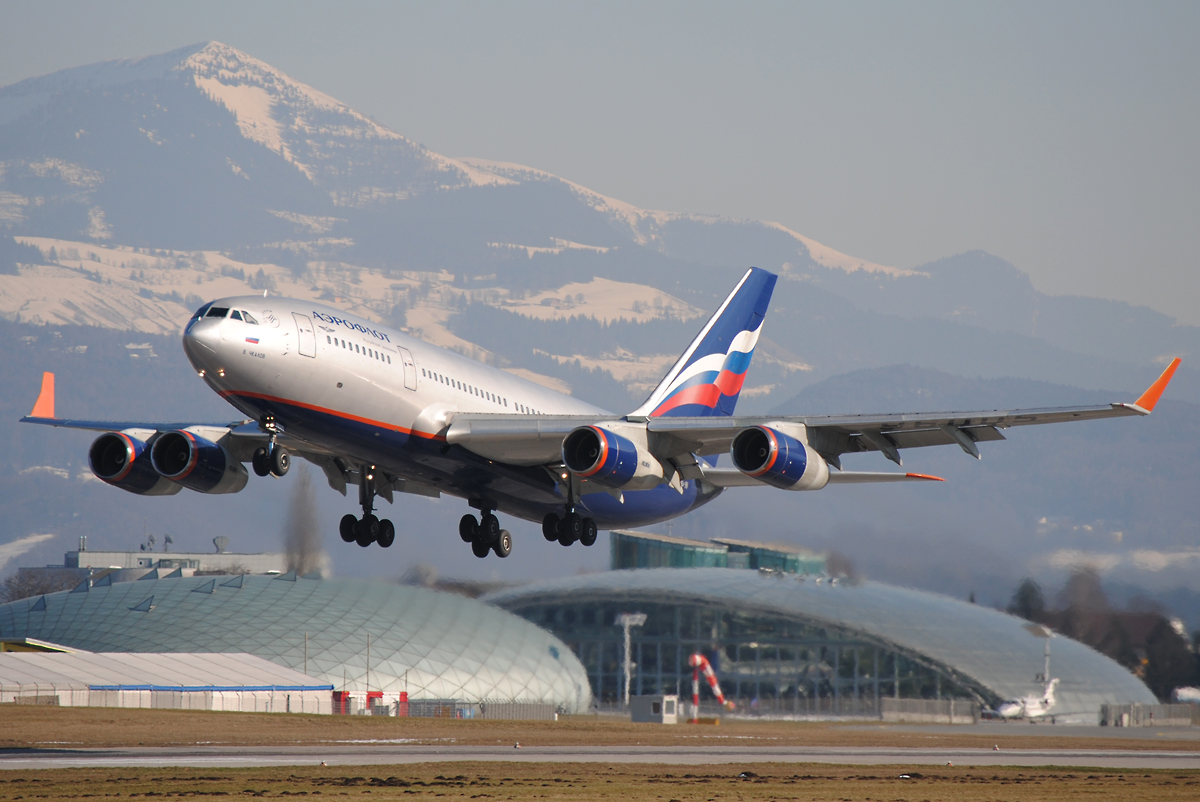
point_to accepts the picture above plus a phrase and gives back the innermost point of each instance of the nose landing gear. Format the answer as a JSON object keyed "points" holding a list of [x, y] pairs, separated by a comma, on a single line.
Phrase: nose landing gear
{"points": [[485, 535], [368, 529], [271, 458]]}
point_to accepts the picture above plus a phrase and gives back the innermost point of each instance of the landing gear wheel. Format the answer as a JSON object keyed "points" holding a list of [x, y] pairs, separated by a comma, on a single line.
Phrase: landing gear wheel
{"points": [[346, 528], [550, 525], [468, 528], [588, 536], [280, 461], [572, 528], [367, 531], [480, 550], [261, 462], [503, 544], [489, 529], [387, 533]]}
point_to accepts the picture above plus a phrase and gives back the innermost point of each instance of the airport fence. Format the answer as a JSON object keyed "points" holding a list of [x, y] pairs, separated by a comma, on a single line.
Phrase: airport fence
{"points": [[1135, 715]]}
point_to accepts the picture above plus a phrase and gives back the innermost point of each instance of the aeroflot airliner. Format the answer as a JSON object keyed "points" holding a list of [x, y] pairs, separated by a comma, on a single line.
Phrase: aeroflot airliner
{"points": [[375, 408]]}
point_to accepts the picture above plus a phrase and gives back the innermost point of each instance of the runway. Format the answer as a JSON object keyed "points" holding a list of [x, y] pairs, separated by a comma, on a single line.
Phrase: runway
{"points": [[343, 754]]}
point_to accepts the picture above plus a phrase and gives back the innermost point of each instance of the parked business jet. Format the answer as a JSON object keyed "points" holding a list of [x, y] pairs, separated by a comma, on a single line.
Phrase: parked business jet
{"points": [[378, 409], [1030, 707]]}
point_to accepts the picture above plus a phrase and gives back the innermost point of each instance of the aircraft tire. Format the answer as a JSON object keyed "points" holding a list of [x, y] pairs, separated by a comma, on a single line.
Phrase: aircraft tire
{"points": [[468, 528], [387, 533], [346, 528], [480, 550], [503, 544], [261, 462], [550, 526], [588, 536], [281, 461], [572, 528], [489, 529], [367, 531]]}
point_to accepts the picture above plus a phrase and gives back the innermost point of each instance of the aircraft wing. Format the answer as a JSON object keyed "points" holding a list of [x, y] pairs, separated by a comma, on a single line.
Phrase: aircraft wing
{"points": [[43, 413], [834, 435], [537, 439]]}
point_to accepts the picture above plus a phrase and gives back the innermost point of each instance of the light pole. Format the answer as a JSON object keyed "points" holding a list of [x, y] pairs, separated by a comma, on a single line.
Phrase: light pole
{"points": [[627, 621]]}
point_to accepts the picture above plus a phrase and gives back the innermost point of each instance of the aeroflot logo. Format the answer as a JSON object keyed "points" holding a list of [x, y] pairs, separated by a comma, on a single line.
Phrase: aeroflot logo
{"points": [[356, 326]]}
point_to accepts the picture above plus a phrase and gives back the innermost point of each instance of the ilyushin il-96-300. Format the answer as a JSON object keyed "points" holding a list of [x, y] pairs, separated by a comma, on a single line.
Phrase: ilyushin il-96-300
{"points": [[387, 413]]}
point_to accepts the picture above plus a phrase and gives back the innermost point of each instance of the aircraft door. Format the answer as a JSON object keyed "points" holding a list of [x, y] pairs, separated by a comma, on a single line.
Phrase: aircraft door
{"points": [[307, 342], [410, 369]]}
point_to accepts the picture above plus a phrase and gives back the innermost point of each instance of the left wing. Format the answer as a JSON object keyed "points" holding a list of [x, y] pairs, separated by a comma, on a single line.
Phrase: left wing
{"points": [[676, 441], [834, 435]]}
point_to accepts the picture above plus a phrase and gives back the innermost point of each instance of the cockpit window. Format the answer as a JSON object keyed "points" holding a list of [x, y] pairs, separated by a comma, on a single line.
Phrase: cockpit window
{"points": [[218, 311], [235, 315], [246, 316], [200, 312]]}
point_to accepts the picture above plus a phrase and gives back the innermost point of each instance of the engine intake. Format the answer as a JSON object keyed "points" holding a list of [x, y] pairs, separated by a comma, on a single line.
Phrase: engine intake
{"points": [[196, 463], [778, 459], [602, 456], [123, 461]]}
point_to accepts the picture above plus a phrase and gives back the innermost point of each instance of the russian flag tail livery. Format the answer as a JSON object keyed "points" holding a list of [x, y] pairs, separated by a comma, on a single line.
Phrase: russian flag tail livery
{"points": [[707, 380]]}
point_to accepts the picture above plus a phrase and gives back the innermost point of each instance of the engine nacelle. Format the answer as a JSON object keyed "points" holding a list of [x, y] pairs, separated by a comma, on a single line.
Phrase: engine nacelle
{"points": [[779, 459], [123, 461], [600, 455], [196, 463]]}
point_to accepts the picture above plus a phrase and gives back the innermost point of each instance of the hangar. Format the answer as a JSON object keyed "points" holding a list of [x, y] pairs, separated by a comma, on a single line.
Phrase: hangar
{"points": [[370, 641], [231, 682], [786, 643]]}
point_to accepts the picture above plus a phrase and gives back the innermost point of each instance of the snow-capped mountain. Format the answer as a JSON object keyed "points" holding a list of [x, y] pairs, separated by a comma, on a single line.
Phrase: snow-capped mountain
{"points": [[208, 147]]}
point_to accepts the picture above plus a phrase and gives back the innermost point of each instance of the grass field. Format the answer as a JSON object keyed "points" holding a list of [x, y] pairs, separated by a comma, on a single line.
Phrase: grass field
{"points": [[569, 782], [29, 726]]}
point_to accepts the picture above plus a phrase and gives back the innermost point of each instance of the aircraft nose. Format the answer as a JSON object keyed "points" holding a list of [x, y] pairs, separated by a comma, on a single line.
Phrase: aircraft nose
{"points": [[201, 340]]}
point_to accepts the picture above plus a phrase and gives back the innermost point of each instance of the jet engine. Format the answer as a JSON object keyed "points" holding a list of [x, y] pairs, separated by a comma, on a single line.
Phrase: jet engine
{"points": [[123, 461], [600, 455], [196, 463], [778, 459]]}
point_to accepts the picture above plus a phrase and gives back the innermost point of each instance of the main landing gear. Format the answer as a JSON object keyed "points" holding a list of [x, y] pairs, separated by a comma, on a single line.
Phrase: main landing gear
{"points": [[484, 534], [271, 458], [368, 529], [569, 528]]}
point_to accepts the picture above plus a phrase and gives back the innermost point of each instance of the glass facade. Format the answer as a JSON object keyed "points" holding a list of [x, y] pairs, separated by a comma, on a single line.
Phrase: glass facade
{"points": [[793, 644], [643, 550], [358, 636]]}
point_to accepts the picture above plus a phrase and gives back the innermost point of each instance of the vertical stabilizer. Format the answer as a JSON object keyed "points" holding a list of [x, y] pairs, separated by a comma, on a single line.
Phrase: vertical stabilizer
{"points": [[707, 380]]}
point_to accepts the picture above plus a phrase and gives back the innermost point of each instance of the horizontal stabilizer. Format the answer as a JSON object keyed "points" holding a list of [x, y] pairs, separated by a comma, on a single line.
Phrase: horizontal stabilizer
{"points": [[868, 477]]}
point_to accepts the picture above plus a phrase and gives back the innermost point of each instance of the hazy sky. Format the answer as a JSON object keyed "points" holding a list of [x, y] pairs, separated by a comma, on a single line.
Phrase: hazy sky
{"points": [[1063, 137]]}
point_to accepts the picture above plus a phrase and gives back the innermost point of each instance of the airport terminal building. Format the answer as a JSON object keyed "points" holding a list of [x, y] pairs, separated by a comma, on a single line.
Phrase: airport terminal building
{"points": [[799, 644]]}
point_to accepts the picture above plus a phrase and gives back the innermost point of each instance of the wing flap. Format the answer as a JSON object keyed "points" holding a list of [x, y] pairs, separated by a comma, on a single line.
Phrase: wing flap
{"points": [[517, 439]]}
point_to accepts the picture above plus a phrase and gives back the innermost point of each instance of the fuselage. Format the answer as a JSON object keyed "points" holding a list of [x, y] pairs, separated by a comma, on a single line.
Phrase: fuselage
{"points": [[372, 395]]}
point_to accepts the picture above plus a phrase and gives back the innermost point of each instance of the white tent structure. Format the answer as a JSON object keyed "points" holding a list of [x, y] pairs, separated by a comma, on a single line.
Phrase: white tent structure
{"points": [[235, 682]]}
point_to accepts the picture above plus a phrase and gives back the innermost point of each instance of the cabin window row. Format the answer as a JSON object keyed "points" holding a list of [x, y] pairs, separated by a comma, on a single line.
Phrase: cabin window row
{"points": [[359, 349], [473, 390]]}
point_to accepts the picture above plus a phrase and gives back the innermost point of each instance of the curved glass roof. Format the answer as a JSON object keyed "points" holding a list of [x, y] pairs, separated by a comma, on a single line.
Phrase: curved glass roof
{"points": [[433, 645], [977, 646]]}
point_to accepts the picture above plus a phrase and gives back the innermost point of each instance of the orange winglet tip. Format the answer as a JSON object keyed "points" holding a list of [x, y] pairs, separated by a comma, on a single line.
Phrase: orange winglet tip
{"points": [[1155, 391], [44, 406], [928, 476]]}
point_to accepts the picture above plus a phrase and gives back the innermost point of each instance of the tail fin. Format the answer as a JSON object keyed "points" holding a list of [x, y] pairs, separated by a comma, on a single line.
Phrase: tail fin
{"points": [[707, 380]]}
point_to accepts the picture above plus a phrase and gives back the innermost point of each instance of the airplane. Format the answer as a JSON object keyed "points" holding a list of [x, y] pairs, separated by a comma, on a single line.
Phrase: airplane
{"points": [[1030, 707], [375, 408]]}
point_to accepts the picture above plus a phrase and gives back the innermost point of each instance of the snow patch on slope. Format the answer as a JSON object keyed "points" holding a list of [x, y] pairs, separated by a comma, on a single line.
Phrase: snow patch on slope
{"points": [[828, 257]]}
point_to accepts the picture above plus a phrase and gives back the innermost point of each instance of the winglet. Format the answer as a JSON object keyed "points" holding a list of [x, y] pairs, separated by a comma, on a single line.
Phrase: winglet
{"points": [[1155, 391], [44, 406], [927, 476]]}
